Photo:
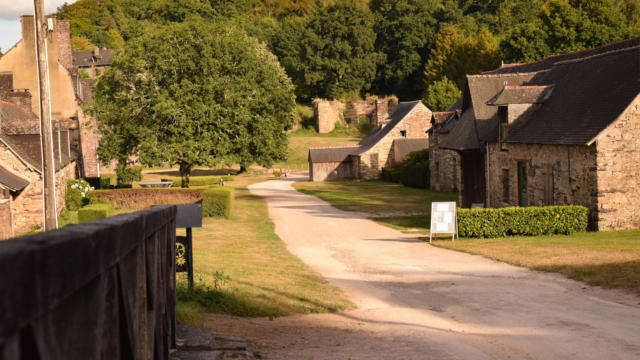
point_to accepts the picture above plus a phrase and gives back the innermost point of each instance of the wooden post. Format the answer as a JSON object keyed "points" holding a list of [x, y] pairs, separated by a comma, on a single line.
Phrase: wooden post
{"points": [[46, 135]]}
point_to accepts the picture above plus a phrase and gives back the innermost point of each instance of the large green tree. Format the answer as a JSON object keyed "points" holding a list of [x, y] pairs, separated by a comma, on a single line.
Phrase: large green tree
{"points": [[337, 52], [191, 94], [406, 31]]}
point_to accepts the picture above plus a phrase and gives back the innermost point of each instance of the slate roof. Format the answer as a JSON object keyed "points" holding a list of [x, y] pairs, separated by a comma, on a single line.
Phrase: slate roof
{"points": [[522, 95], [402, 147], [332, 154], [588, 96], [10, 111], [86, 58], [380, 131], [27, 148], [12, 181]]}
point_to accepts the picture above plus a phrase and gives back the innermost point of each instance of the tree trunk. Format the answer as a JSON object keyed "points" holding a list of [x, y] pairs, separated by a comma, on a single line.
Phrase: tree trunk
{"points": [[185, 170], [242, 169]]}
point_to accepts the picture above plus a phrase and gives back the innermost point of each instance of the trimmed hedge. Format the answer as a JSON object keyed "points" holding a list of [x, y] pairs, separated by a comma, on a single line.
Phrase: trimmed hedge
{"points": [[217, 201], [526, 221], [94, 212], [198, 180], [102, 182], [391, 174], [140, 199]]}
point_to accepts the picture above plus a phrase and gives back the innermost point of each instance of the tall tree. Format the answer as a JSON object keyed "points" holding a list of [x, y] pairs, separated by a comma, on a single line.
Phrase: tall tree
{"points": [[406, 31], [337, 52], [191, 94]]}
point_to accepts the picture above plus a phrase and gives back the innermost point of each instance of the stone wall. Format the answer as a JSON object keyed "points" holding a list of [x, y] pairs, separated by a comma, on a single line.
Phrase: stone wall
{"points": [[415, 124], [330, 171], [5, 218], [63, 40], [556, 175], [618, 169], [327, 114], [89, 140], [6, 83], [444, 165]]}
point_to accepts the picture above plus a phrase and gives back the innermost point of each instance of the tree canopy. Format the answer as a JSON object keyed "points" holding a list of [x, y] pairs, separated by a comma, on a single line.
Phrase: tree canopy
{"points": [[194, 93]]}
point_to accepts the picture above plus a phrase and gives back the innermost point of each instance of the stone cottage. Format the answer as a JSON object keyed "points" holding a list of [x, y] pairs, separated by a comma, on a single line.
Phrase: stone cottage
{"points": [[18, 70], [408, 120], [444, 165], [564, 130], [21, 168]]}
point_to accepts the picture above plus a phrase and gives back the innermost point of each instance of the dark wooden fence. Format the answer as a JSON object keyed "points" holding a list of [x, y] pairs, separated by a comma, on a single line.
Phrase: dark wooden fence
{"points": [[102, 290]]}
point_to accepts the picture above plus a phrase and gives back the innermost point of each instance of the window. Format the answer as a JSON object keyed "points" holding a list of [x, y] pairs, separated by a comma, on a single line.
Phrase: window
{"points": [[506, 190], [403, 133]]}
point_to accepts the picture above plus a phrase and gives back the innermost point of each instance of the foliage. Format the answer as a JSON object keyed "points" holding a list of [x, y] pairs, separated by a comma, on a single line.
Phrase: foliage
{"points": [[217, 201], [337, 52], [441, 95], [391, 174], [77, 194], [415, 169], [194, 94], [364, 126], [94, 212], [128, 174], [406, 30], [199, 180], [528, 221]]}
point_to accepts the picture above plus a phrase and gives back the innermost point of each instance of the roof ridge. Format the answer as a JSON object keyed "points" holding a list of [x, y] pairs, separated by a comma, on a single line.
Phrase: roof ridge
{"points": [[334, 147], [529, 86], [485, 75], [608, 53]]}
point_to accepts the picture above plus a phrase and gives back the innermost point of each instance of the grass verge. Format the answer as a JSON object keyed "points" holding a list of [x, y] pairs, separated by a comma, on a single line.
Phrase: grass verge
{"points": [[243, 268], [607, 259], [301, 140], [377, 198]]}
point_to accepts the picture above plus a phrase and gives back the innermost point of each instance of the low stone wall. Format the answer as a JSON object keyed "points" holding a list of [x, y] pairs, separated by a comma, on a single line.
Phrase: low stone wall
{"points": [[140, 199]]}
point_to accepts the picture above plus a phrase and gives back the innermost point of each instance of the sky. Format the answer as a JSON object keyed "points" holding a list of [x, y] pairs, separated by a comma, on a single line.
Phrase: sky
{"points": [[10, 11]]}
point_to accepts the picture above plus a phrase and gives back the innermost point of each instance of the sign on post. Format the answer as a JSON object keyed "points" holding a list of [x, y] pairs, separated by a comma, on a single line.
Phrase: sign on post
{"points": [[444, 219]]}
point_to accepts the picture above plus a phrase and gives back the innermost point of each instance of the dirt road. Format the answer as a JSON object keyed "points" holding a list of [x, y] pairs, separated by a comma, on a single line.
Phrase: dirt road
{"points": [[416, 301]]}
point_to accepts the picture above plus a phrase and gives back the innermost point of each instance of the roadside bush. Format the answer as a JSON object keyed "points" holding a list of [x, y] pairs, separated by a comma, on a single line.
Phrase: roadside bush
{"points": [[526, 221], [415, 169], [391, 174], [217, 201], [77, 194], [199, 180], [94, 212]]}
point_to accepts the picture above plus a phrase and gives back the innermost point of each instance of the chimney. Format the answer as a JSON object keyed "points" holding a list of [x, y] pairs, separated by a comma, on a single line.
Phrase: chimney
{"points": [[6, 83], [63, 40], [28, 36], [21, 98], [96, 52]]}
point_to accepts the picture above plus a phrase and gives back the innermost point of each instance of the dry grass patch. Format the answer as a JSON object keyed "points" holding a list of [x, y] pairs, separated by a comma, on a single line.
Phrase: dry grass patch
{"points": [[607, 259]]}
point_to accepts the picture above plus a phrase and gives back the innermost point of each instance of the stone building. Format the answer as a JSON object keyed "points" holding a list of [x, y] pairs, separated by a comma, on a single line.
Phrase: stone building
{"points": [[328, 113], [444, 164], [408, 120], [21, 167], [18, 70], [94, 62], [564, 130]]}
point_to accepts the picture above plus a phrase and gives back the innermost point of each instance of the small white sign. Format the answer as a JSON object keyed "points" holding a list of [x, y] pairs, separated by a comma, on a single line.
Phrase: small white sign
{"points": [[443, 219]]}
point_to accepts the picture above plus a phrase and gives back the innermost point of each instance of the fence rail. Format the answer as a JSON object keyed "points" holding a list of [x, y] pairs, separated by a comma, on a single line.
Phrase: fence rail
{"points": [[101, 290]]}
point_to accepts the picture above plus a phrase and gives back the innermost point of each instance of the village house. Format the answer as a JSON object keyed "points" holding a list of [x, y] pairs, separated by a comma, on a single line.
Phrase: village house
{"points": [[21, 165], [563, 130], [406, 127], [444, 166], [18, 70]]}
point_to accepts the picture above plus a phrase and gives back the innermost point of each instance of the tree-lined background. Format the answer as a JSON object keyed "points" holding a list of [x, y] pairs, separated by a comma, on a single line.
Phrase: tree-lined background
{"points": [[346, 49]]}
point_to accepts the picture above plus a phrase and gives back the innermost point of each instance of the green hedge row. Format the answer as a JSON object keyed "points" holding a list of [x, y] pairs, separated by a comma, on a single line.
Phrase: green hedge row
{"points": [[415, 169], [217, 201], [102, 182], [94, 212], [198, 180], [391, 174], [527, 221]]}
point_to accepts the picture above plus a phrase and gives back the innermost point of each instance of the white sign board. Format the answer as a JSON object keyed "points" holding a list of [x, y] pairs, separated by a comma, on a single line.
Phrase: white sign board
{"points": [[444, 219]]}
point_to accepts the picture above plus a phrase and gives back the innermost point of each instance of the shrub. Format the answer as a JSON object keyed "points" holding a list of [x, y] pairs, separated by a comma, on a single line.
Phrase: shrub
{"points": [[77, 194], [94, 212], [415, 169], [391, 174], [94, 182], [217, 201], [128, 174], [139, 199], [527, 221], [105, 180], [199, 180]]}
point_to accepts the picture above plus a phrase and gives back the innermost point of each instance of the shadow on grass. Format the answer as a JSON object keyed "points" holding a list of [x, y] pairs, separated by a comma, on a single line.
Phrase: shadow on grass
{"points": [[622, 275], [199, 172], [222, 300]]}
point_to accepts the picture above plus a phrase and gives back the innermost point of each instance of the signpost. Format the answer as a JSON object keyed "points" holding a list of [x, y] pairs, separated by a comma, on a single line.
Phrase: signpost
{"points": [[444, 219]]}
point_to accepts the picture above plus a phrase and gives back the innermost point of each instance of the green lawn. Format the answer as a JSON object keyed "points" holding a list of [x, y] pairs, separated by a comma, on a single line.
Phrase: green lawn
{"points": [[300, 141], [608, 259], [376, 197]]}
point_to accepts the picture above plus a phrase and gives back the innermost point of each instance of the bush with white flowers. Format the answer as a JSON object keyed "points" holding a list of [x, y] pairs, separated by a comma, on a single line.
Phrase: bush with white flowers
{"points": [[77, 194]]}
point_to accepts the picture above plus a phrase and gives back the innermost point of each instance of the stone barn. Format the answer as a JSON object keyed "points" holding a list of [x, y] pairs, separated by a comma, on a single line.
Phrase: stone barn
{"points": [[564, 130], [331, 163], [408, 120]]}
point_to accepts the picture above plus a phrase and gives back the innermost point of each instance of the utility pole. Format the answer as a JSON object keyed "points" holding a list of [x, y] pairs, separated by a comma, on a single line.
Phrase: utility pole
{"points": [[46, 134]]}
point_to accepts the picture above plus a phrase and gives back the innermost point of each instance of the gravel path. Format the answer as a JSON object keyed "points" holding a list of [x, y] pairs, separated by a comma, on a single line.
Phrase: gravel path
{"points": [[416, 301]]}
